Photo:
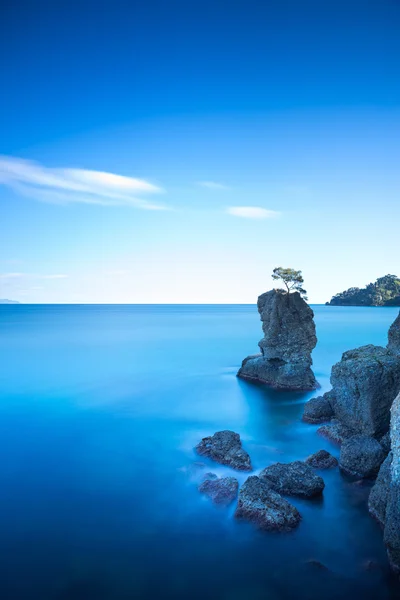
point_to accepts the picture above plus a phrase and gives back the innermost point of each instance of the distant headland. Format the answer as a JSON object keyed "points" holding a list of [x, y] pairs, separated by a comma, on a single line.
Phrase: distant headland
{"points": [[5, 301], [384, 292]]}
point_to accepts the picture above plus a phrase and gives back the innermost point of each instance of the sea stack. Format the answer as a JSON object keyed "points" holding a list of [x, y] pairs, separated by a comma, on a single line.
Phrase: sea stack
{"points": [[289, 338]]}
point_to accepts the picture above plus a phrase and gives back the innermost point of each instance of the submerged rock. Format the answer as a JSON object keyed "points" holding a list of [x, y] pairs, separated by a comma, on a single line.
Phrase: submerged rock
{"points": [[394, 336], [322, 460], [225, 448], [293, 479], [335, 432], [365, 383], [289, 338], [361, 456], [378, 497], [221, 490], [259, 504], [318, 410]]}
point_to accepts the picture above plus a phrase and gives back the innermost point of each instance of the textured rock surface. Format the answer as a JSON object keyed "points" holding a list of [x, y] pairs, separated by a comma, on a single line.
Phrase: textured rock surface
{"points": [[385, 442], [378, 497], [293, 479], [365, 383], [361, 456], [221, 490], [225, 448], [289, 338], [392, 517], [264, 507], [335, 431], [318, 410], [394, 336], [322, 460]]}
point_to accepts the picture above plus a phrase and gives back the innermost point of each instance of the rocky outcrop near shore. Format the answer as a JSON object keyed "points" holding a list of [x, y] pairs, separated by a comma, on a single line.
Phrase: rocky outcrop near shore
{"points": [[322, 460], [259, 504], [293, 479], [225, 447], [221, 490], [364, 384], [361, 456], [289, 338], [394, 336]]}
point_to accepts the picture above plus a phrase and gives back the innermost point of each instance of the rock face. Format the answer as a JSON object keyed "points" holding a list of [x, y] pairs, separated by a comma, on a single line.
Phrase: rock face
{"points": [[322, 460], [293, 479], [289, 338], [361, 456], [394, 336], [221, 490], [336, 431], [364, 384], [318, 410], [225, 448], [378, 497], [264, 507]]}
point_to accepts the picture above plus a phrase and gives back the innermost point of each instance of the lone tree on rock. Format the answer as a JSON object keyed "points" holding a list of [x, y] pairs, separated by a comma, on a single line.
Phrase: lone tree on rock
{"points": [[292, 279]]}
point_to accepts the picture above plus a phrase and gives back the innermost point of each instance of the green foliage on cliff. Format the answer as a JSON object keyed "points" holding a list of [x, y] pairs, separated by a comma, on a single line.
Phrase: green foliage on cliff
{"points": [[384, 292], [292, 279]]}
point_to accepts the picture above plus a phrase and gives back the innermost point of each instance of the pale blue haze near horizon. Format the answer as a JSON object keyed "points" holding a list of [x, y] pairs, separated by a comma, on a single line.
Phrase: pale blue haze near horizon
{"points": [[254, 135]]}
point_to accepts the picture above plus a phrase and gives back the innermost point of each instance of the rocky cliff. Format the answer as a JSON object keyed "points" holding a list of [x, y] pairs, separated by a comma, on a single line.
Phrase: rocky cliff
{"points": [[394, 336], [289, 338]]}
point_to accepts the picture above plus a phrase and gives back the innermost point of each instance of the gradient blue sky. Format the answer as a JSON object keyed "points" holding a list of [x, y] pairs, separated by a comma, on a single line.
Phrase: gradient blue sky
{"points": [[254, 134]]}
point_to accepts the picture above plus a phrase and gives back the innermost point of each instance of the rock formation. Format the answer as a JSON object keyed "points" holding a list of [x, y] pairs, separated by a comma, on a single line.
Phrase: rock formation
{"points": [[384, 500], [259, 504], [289, 338], [364, 384], [321, 460], [361, 456], [394, 336], [293, 479], [225, 448], [221, 490], [318, 410]]}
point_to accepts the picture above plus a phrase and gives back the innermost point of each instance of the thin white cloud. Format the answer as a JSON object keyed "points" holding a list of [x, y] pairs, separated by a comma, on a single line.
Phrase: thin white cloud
{"points": [[213, 185], [252, 212], [62, 186]]}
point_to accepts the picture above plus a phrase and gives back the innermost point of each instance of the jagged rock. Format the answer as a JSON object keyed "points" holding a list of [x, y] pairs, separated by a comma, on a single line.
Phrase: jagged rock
{"points": [[394, 336], [385, 442], [392, 517], [335, 431], [378, 497], [293, 479], [322, 460], [221, 490], [225, 448], [365, 383], [289, 338], [318, 410], [361, 456], [264, 507]]}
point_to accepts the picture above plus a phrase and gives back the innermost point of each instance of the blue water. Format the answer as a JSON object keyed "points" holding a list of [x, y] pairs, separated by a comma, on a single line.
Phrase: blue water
{"points": [[100, 408]]}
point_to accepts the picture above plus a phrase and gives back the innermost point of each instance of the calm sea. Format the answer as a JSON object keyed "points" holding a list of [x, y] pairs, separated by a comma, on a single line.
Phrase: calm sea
{"points": [[100, 409]]}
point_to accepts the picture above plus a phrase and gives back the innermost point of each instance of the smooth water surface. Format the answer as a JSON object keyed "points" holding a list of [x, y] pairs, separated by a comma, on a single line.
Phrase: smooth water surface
{"points": [[100, 409]]}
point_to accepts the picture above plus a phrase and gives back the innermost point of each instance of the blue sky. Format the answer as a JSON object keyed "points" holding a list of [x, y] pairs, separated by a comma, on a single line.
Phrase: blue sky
{"points": [[178, 151]]}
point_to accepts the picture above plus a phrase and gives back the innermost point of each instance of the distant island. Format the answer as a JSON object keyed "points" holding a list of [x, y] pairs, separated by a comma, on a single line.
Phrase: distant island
{"points": [[5, 301], [384, 292]]}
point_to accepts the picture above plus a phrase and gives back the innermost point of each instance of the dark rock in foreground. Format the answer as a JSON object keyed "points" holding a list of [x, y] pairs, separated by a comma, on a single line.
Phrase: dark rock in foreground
{"points": [[335, 432], [322, 460], [293, 479], [259, 504], [225, 448], [378, 497], [394, 336], [361, 456], [289, 338], [385, 442], [318, 410], [221, 490]]}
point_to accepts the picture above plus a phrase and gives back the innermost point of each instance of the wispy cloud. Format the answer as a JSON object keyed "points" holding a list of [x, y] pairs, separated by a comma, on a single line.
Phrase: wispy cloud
{"points": [[65, 185], [213, 185], [252, 212]]}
